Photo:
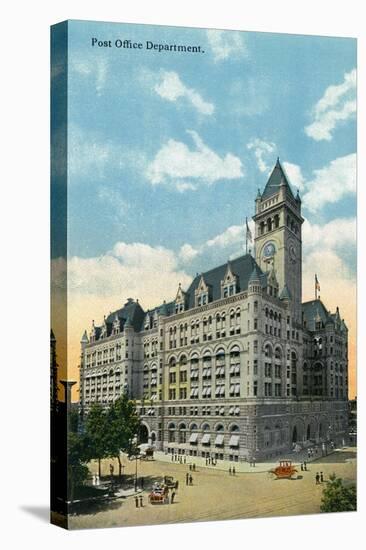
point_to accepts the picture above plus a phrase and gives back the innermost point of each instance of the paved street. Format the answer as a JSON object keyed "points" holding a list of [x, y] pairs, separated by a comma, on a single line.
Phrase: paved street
{"points": [[216, 495]]}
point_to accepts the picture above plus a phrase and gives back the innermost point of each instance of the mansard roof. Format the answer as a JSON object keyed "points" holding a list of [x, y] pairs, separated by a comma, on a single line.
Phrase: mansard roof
{"points": [[275, 180], [314, 311], [131, 310], [242, 267]]}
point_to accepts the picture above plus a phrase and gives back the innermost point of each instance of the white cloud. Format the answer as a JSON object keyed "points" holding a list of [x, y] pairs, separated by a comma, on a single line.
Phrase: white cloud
{"points": [[94, 69], [331, 183], [171, 87], [103, 283], [339, 232], [263, 152], [337, 104], [187, 253], [91, 156], [226, 44], [231, 235], [178, 166], [294, 174], [231, 238]]}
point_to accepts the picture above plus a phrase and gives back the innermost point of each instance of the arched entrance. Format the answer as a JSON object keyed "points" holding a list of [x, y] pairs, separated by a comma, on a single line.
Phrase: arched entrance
{"points": [[144, 434], [294, 435]]}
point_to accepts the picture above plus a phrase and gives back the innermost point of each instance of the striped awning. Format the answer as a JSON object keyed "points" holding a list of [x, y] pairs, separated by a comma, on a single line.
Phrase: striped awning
{"points": [[219, 439], [234, 441]]}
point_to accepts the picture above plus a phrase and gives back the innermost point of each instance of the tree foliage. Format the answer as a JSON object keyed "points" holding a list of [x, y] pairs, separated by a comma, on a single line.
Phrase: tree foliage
{"points": [[337, 497], [79, 454], [123, 424]]}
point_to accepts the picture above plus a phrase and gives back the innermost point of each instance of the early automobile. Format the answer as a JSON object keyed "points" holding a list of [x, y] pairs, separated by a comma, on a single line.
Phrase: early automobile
{"points": [[159, 494], [285, 470]]}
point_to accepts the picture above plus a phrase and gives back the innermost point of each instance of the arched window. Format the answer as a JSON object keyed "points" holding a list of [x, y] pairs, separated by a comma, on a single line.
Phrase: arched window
{"points": [[219, 428], [171, 432], [268, 350], [276, 220], [269, 224], [278, 353], [234, 428], [182, 437], [234, 352]]}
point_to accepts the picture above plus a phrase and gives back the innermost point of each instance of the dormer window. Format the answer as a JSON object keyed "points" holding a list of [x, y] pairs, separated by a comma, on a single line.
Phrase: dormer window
{"points": [[201, 293], [229, 283], [147, 322], [180, 300]]}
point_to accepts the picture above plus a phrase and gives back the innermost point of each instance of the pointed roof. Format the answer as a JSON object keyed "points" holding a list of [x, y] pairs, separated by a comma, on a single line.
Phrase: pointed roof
{"points": [[128, 323], [276, 179], [84, 339], [255, 275], [285, 293]]}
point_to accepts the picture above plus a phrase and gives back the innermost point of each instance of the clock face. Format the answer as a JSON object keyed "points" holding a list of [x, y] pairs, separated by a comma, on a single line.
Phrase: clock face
{"points": [[269, 250]]}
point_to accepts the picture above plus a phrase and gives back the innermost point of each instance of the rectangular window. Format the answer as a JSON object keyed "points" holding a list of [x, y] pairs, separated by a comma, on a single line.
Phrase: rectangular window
{"points": [[255, 346]]}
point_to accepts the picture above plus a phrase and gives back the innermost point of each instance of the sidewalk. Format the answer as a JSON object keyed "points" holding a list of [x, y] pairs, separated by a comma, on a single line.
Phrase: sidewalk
{"points": [[241, 467]]}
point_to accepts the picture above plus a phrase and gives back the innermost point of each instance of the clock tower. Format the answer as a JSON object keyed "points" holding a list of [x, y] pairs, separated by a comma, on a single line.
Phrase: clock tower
{"points": [[278, 224]]}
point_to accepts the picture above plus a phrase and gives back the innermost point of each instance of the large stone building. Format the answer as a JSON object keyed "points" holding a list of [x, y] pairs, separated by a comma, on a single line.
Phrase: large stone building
{"points": [[236, 366]]}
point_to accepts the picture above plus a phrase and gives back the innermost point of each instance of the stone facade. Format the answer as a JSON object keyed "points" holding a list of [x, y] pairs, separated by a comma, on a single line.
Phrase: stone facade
{"points": [[235, 367]]}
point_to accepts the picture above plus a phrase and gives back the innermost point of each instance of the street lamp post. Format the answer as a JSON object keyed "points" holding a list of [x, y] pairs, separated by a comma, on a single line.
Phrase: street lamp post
{"points": [[135, 457]]}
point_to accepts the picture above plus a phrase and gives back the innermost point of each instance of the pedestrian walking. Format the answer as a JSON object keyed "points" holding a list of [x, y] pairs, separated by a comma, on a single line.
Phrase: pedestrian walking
{"points": [[190, 467], [187, 478], [136, 502], [176, 485], [111, 470], [305, 466], [233, 470], [253, 462], [194, 467], [190, 480], [302, 467], [141, 502], [317, 478], [172, 497], [93, 479], [321, 477], [209, 460], [229, 470]]}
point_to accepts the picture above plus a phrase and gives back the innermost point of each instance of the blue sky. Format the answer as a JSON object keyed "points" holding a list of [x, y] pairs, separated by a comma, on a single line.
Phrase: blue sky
{"points": [[167, 149]]}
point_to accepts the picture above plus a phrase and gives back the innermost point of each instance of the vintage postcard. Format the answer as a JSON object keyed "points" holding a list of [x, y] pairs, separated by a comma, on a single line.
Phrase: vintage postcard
{"points": [[203, 362]]}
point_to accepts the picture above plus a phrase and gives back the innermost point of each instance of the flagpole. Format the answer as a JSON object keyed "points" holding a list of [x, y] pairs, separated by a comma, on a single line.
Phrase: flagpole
{"points": [[246, 236], [316, 287]]}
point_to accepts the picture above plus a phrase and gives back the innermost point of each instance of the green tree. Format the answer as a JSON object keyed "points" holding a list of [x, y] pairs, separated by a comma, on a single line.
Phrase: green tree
{"points": [[97, 433], [123, 425], [338, 498], [77, 457]]}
